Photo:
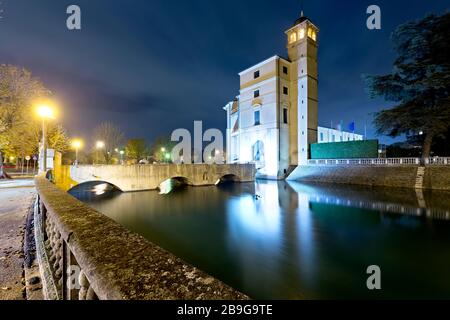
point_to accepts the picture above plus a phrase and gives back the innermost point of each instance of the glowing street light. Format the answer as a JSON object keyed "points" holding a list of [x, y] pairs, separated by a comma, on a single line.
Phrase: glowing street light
{"points": [[163, 149], [44, 111], [77, 144], [99, 145]]}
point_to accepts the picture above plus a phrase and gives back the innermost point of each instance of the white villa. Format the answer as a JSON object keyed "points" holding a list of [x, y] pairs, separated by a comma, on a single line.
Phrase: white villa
{"points": [[273, 120]]}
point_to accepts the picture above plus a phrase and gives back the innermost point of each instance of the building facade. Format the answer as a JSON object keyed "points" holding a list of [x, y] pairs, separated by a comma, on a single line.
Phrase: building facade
{"points": [[274, 119]]}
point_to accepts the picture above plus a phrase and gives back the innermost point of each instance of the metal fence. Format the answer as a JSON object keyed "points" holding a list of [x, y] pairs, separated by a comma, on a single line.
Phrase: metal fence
{"points": [[381, 161]]}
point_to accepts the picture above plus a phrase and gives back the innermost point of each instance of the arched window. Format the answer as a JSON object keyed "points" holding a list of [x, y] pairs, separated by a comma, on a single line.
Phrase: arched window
{"points": [[258, 153]]}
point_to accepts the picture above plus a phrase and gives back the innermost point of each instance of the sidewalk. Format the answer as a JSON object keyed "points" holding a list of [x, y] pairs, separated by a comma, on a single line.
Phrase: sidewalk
{"points": [[15, 200]]}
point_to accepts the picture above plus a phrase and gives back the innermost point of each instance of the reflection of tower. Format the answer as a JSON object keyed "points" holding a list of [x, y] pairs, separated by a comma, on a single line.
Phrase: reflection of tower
{"points": [[302, 51]]}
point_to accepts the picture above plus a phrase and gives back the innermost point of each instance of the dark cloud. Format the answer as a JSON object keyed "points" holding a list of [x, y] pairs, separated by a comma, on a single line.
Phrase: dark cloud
{"points": [[153, 66]]}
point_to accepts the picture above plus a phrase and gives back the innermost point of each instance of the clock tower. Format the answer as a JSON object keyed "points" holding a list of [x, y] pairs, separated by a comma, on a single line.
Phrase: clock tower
{"points": [[302, 51]]}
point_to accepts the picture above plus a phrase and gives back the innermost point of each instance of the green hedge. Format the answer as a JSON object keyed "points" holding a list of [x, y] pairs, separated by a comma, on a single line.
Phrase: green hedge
{"points": [[345, 150]]}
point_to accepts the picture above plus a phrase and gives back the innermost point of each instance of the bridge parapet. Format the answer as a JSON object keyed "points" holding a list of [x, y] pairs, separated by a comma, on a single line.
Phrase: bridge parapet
{"points": [[149, 177], [84, 255]]}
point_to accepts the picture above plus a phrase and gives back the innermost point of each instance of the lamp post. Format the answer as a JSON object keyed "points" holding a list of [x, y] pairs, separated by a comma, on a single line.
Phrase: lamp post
{"points": [[45, 112], [76, 144], [121, 156], [28, 161], [99, 145]]}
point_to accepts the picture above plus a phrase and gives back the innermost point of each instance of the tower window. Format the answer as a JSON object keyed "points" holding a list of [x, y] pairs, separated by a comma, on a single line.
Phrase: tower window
{"points": [[256, 74], [293, 37], [302, 33], [256, 94], [257, 115], [285, 70], [285, 115], [314, 36], [285, 90], [310, 31]]}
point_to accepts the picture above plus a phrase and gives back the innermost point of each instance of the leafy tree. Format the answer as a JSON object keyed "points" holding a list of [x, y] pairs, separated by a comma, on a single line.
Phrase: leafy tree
{"points": [[112, 137], [419, 84], [136, 149], [160, 144], [18, 90]]}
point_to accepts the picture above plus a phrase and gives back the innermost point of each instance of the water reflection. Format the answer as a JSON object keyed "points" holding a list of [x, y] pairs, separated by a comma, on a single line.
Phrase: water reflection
{"points": [[276, 239]]}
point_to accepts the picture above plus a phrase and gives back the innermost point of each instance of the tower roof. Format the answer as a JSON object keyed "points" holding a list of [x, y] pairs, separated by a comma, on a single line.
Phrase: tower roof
{"points": [[300, 20]]}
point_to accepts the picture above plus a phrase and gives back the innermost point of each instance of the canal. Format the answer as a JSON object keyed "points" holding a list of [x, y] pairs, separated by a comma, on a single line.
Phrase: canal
{"points": [[287, 240]]}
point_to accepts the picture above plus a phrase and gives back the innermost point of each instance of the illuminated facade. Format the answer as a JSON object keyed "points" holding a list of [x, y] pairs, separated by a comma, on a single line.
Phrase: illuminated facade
{"points": [[273, 120]]}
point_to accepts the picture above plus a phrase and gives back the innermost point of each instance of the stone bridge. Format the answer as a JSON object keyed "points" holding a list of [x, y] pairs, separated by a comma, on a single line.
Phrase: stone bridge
{"points": [[149, 177]]}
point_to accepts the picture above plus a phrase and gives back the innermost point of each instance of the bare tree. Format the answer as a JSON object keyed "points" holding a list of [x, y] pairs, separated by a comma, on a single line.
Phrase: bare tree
{"points": [[111, 136]]}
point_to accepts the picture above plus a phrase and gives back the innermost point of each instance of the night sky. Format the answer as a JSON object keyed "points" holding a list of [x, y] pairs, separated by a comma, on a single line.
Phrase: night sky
{"points": [[154, 66]]}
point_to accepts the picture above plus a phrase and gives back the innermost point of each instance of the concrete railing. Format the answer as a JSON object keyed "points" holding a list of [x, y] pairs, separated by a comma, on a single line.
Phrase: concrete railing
{"points": [[84, 255], [380, 161]]}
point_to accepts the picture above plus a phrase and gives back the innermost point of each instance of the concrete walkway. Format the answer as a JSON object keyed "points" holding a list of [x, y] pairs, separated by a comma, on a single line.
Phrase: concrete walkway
{"points": [[15, 200]]}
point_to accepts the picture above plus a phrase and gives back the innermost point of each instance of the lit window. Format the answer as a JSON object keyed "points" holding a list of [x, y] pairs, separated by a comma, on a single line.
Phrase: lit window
{"points": [[310, 31], [256, 74], [285, 115], [302, 33], [314, 35], [257, 115], [256, 94], [293, 37]]}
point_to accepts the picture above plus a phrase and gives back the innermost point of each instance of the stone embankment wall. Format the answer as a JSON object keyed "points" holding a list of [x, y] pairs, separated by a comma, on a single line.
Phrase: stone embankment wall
{"points": [[102, 260], [436, 177]]}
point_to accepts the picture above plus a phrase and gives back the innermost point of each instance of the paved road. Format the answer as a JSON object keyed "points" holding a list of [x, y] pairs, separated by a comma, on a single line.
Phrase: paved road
{"points": [[15, 200]]}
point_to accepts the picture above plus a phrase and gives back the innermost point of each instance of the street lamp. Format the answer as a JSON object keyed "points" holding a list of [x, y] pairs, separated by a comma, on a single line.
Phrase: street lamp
{"points": [[99, 145], [28, 158], [77, 144], [167, 156], [121, 156], [45, 112]]}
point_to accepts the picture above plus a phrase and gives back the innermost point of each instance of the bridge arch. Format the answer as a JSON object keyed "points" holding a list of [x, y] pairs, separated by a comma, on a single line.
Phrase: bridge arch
{"points": [[228, 178], [98, 187], [172, 183]]}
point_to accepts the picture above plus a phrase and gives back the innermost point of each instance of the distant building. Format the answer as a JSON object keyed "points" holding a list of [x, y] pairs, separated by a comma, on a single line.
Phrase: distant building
{"points": [[274, 119], [326, 135]]}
